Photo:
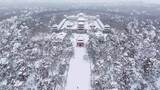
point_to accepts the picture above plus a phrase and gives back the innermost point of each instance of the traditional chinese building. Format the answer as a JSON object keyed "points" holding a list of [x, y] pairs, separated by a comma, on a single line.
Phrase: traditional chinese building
{"points": [[81, 23]]}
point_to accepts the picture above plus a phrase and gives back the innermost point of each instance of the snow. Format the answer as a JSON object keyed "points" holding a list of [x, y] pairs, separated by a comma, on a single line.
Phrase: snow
{"points": [[99, 34], [37, 64], [16, 45], [4, 82], [55, 26], [30, 83], [158, 83], [18, 83], [79, 71], [61, 24], [3, 61], [81, 19], [61, 35], [100, 23], [41, 36]]}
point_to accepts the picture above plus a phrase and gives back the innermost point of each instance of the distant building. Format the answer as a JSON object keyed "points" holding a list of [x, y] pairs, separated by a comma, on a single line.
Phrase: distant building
{"points": [[80, 42], [82, 23], [107, 28], [55, 28]]}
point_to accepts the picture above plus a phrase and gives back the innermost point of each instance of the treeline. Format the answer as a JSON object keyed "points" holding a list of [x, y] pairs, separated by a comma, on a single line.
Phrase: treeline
{"points": [[126, 59]]}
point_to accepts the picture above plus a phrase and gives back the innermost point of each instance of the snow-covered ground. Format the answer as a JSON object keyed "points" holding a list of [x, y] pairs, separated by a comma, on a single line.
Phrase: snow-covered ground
{"points": [[79, 71]]}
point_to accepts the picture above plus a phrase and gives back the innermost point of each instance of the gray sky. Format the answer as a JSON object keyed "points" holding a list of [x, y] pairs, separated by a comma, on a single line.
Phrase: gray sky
{"points": [[146, 1]]}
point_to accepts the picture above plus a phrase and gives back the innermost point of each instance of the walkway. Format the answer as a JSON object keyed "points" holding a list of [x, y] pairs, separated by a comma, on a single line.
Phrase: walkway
{"points": [[79, 71]]}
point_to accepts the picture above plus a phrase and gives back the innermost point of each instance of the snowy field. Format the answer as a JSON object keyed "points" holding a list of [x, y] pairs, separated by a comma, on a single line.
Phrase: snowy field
{"points": [[79, 71]]}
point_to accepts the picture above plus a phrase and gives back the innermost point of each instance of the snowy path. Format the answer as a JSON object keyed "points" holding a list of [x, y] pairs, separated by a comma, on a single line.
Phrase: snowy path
{"points": [[79, 71]]}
